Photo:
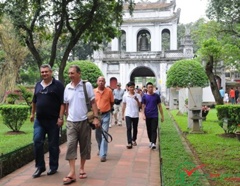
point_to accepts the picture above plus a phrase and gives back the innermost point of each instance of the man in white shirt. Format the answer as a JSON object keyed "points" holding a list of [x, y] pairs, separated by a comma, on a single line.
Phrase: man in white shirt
{"points": [[131, 103], [118, 95]]}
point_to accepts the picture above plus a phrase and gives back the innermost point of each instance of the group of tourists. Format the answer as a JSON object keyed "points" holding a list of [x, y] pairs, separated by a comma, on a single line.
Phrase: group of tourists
{"points": [[230, 97], [51, 102]]}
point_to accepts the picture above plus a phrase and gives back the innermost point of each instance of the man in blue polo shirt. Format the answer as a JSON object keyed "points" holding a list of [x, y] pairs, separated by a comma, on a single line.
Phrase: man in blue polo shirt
{"points": [[48, 105], [151, 104]]}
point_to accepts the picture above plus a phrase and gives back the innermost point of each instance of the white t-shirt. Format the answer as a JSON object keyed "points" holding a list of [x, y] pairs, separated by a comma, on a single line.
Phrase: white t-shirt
{"points": [[75, 98], [132, 108]]}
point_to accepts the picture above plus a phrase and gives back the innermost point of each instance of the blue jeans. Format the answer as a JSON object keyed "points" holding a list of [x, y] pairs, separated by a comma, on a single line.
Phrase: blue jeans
{"points": [[102, 143], [131, 123], [41, 128]]}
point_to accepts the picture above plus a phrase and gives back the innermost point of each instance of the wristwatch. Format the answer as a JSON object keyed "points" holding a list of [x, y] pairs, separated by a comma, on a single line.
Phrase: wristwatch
{"points": [[96, 117]]}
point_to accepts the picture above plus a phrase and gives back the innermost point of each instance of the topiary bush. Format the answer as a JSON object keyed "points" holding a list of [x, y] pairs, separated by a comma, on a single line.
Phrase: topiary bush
{"points": [[26, 95], [186, 73], [231, 114], [14, 116], [12, 98], [89, 71]]}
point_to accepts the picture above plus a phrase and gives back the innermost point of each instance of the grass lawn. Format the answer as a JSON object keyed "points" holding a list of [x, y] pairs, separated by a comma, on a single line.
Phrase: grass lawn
{"points": [[10, 142], [175, 158], [220, 155]]}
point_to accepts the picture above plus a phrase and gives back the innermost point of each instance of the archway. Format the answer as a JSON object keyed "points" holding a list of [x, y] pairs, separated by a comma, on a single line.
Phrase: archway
{"points": [[142, 75]]}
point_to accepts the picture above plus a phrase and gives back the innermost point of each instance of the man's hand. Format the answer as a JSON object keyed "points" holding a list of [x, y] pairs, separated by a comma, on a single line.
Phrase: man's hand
{"points": [[96, 122], [144, 117], [60, 122], [32, 117]]}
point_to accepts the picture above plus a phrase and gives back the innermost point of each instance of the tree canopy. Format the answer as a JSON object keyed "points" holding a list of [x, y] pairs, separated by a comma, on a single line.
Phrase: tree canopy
{"points": [[186, 73], [64, 21], [89, 71]]}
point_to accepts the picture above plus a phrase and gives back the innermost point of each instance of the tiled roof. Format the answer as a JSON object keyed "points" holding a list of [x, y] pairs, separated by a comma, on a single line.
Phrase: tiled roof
{"points": [[149, 6]]}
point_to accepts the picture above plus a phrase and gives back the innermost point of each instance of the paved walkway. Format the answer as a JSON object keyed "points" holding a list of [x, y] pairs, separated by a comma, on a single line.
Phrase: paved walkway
{"points": [[124, 167]]}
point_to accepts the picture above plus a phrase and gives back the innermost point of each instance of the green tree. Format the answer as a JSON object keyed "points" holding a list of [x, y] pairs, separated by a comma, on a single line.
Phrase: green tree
{"points": [[216, 46], [89, 71], [226, 14], [224, 11], [64, 21], [211, 51], [186, 73]]}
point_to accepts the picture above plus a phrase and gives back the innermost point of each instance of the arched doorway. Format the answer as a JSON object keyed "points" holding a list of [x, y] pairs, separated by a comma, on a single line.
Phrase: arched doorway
{"points": [[142, 75]]}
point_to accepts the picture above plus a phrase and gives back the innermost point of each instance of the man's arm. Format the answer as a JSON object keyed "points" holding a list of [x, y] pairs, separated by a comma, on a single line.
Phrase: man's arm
{"points": [[143, 111], [123, 110], [161, 112], [33, 112], [111, 99], [61, 114], [96, 121]]}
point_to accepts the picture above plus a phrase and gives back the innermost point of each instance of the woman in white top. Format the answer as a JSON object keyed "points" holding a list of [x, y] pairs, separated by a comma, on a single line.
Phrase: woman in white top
{"points": [[131, 103]]}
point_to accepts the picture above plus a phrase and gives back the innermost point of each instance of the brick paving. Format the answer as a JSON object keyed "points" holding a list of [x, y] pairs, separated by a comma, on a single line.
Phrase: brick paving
{"points": [[138, 166]]}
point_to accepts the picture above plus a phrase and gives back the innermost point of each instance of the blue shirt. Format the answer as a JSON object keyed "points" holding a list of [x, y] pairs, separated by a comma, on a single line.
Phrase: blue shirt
{"points": [[151, 102], [222, 92]]}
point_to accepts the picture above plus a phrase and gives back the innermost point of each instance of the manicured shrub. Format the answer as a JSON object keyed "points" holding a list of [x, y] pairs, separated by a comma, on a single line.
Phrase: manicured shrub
{"points": [[89, 71], [14, 116], [187, 73], [229, 114], [26, 95], [12, 97]]}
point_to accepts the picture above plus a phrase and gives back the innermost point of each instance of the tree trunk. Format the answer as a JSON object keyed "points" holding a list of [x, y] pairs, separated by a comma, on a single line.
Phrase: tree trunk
{"points": [[14, 58], [213, 83], [8, 80]]}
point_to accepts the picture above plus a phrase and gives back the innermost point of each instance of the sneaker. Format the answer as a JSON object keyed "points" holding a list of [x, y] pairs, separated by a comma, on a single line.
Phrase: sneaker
{"points": [[153, 146], [129, 146], [110, 125], [103, 159], [115, 122], [134, 143], [150, 144], [119, 124]]}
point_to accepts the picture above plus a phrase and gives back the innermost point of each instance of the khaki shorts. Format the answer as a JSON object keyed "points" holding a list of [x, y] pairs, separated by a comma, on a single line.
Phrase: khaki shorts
{"points": [[78, 133]]}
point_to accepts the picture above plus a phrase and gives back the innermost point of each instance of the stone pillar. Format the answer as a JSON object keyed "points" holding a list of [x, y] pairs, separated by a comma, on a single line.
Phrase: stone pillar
{"points": [[194, 105], [173, 99], [183, 95]]}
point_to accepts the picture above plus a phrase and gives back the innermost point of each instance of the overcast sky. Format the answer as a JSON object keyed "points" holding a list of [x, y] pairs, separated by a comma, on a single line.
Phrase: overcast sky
{"points": [[191, 10]]}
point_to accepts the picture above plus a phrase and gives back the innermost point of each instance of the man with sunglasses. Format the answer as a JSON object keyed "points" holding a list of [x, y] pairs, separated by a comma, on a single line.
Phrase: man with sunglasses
{"points": [[48, 105]]}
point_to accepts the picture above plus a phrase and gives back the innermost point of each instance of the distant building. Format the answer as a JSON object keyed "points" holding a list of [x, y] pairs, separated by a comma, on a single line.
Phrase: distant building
{"points": [[147, 46]]}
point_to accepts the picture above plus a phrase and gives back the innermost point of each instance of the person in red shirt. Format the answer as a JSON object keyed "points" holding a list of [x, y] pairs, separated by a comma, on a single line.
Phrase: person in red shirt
{"points": [[232, 96]]}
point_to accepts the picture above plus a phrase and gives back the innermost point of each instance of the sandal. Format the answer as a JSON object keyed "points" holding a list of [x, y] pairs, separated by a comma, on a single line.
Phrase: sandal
{"points": [[68, 180], [82, 175]]}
